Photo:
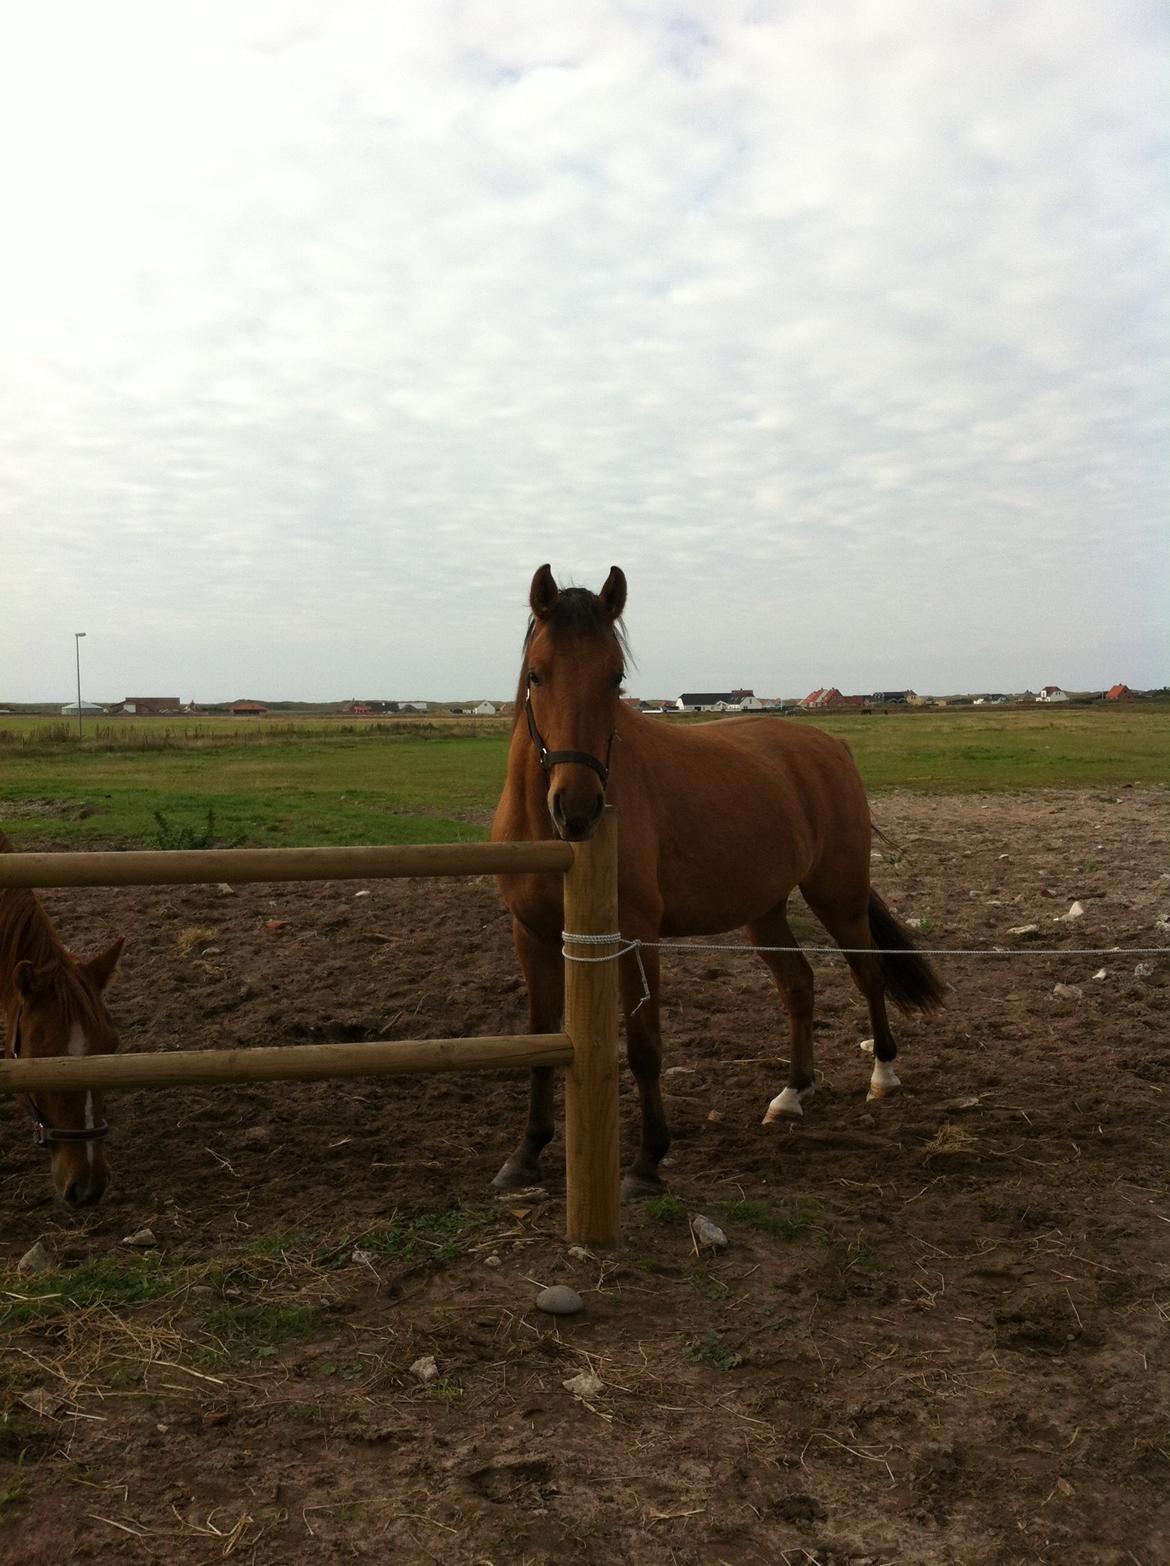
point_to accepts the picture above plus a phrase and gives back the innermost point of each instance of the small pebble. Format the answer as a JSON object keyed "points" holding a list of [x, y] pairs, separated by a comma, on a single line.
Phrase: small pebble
{"points": [[1077, 911], [1143, 970], [424, 1369], [1025, 929], [215, 1417], [1068, 991], [707, 1233], [141, 1239], [1101, 974], [714, 1116], [35, 1261], [361, 894], [584, 1385], [559, 1300], [579, 1253], [225, 890], [363, 1258], [491, 1261]]}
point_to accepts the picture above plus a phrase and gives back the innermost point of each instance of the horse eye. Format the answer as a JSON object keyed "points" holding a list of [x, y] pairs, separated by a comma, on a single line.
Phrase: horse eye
{"points": [[533, 677]]}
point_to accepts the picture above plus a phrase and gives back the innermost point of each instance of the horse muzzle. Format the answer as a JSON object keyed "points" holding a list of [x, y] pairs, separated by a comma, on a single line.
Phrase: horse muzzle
{"points": [[575, 818]]}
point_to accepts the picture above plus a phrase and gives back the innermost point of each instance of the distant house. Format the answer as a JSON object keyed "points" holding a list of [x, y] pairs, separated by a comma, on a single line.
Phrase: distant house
{"points": [[823, 696], [484, 710], [994, 700], [704, 701], [894, 698], [1052, 693], [248, 709], [147, 706], [1119, 693], [88, 709]]}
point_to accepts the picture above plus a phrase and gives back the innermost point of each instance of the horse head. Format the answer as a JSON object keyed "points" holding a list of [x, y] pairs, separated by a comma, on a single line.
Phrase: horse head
{"points": [[58, 1009], [574, 664]]}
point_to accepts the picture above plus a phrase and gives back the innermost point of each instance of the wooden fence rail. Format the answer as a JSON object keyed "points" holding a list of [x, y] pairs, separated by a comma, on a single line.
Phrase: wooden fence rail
{"points": [[587, 1047]]}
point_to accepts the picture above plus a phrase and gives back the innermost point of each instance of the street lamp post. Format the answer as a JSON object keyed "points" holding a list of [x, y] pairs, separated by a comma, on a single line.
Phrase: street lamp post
{"points": [[77, 635]]}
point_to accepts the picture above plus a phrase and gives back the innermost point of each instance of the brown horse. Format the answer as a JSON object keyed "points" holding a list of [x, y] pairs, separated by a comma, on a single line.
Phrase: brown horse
{"points": [[717, 824], [53, 1005]]}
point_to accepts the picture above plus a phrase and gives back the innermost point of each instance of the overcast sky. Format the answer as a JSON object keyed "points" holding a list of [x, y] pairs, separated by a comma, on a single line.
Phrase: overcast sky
{"points": [[842, 328]]}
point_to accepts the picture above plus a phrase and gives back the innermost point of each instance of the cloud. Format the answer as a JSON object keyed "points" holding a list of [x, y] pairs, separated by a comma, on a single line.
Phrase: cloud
{"points": [[837, 328]]}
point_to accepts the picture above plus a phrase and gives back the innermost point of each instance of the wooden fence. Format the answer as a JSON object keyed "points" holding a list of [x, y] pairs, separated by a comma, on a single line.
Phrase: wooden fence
{"points": [[587, 1047]]}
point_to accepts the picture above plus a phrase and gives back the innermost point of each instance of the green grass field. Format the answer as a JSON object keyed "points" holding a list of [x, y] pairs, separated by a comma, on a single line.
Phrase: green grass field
{"points": [[291, 783]]}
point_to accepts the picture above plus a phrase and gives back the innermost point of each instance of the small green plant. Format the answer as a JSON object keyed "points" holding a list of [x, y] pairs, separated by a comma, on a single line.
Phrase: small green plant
{"points": [[184, 836], [446, 1387], [712, 1349], [1089, 865], [666, 1208], [16, 1490], [256, 1331], [791, 1224], [112, 1281], [925, 925], [710, 1286]]}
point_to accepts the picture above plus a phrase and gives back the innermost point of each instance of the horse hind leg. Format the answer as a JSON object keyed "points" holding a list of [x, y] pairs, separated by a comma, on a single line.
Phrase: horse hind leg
{"points": [[794, 979], [852, 933]]}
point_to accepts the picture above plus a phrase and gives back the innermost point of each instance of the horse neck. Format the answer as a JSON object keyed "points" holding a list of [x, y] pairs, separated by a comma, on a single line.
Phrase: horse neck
{"points": [[26, 935]]}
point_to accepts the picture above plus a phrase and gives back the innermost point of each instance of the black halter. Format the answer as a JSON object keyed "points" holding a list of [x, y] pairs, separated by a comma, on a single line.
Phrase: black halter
{"points": [[552, 758], [43, 1133]]}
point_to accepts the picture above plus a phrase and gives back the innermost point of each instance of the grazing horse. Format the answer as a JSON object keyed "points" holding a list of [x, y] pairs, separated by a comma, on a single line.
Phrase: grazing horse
{"points": [[53, 1005], [717, 824]]}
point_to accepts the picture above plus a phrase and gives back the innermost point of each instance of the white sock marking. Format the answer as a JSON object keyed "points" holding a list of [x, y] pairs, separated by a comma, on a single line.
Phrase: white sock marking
{"points": [[884, 1081], [788, 1104]]}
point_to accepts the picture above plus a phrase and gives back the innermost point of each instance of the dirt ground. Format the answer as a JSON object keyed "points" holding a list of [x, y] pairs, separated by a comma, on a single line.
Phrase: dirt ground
{"points": [[938, 1333]]}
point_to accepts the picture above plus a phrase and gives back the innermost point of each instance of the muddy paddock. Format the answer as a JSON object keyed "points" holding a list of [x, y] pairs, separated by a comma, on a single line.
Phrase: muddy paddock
{"points": [[938, 1332]]}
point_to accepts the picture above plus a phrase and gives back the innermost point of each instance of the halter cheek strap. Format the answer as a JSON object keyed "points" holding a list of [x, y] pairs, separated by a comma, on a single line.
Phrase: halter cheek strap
{"points": [[44, 1135], [554, 758]]}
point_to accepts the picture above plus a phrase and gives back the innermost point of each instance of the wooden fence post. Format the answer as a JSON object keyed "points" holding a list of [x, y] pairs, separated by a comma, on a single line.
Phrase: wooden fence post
{"points": [[591, 1020]]}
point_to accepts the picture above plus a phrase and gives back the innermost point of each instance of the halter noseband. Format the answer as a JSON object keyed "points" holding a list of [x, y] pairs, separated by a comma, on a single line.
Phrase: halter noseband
{"points": [[553, 758], [44, 1135]]}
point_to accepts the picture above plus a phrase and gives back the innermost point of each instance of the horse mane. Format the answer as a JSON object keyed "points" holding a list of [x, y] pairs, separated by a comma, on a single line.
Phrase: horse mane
{"points": [[27, 935], [577, 612]]}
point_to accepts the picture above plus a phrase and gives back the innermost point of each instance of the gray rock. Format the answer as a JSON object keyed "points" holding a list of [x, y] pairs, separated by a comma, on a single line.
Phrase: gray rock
{"points": [[708, 1234], [1067, 991], [142, 1239], [425, 1369], [35, 1261], [225, 890], [584, 1385], [559, 1300]]}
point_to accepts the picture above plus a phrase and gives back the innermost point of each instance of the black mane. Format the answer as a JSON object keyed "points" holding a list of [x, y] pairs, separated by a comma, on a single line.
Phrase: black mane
{"points": [[577, 612]]}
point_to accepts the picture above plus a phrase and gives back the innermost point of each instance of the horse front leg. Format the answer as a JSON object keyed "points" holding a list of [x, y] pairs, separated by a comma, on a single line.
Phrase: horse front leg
{"points": [[544, 975], [644, 1046]]}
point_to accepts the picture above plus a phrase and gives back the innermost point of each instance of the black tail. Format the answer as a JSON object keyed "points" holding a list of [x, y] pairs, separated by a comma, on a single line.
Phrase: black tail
{"points": [[910, 979]]}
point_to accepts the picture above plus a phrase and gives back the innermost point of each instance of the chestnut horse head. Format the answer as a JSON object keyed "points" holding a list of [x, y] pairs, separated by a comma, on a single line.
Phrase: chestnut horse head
{"points": [[570, 689], [53, 1005]]}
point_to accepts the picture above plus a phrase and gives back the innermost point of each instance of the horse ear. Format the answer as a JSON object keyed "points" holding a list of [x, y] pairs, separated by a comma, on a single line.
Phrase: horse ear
{"points": [[545, 592], [24, 976], [613, 594], [101, 968]]}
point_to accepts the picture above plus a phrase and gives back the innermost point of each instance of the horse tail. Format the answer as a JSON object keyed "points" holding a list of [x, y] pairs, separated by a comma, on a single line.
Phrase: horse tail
{"points": [[911, 980]]}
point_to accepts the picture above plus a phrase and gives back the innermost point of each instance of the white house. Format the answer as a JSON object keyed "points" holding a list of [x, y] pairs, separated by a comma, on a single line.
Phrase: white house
{"points": [[484, 710], [1052, 693]]}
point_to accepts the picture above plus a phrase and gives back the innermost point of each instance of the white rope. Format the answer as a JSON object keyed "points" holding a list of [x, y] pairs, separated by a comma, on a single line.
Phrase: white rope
{"points": [[569, 938], [632, 944]]}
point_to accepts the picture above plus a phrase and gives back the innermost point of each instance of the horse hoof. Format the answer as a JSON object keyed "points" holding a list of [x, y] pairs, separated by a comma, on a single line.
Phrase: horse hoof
{"points": [[884, 1083], [788, 1105], [517, 1176], [637, 1188]]}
